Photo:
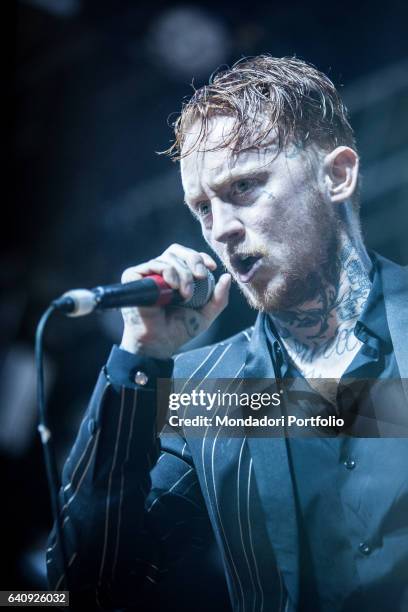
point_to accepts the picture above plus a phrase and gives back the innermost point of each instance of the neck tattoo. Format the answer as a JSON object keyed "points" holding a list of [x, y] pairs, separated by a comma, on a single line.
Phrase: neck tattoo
{"points": [[323, 328]]}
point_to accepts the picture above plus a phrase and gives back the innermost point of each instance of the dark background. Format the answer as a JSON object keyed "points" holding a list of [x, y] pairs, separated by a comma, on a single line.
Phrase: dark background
{"points": [[94, 85]]}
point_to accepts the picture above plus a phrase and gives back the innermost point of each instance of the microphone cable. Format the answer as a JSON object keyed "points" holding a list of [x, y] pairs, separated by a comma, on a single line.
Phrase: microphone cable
{"points": [[47, 443]]}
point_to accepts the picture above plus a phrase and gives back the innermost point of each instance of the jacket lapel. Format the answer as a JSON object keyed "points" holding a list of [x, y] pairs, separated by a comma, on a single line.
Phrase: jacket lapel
{"points": [[395, 286], [272, 470]]}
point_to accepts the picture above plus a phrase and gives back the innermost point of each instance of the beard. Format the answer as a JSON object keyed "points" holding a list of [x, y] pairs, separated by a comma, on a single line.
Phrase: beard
{"points": [[308, 264]]}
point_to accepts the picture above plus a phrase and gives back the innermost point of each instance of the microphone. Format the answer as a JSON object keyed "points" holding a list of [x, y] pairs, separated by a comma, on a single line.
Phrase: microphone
{"points": [[151, 290]]}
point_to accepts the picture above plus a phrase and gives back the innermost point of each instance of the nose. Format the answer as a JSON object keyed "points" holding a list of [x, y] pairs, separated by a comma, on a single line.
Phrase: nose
{"points": [[226, 224]]}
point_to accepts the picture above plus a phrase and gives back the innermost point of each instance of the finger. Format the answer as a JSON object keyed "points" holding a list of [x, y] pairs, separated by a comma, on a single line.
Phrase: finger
{"points": [[194, 260], [208, 261], [130, 275], [219, 298], [154, 266], [185, 274]]}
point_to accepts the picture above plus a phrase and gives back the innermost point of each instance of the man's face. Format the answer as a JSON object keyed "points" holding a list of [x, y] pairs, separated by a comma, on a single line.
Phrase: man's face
{"points": [[264, 216]]}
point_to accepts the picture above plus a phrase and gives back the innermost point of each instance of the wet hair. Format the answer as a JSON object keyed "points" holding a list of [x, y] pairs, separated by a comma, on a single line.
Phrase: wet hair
{"points": [[265, 94], [295, 98]]}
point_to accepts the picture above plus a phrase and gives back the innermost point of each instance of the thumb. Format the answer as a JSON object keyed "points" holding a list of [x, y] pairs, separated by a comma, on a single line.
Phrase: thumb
{"points": [[219, 298]]}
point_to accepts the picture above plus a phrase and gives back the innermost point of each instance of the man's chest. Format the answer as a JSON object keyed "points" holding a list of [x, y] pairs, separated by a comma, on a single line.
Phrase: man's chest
{"points": [[330, 363], [324, 370], [349, 495]]}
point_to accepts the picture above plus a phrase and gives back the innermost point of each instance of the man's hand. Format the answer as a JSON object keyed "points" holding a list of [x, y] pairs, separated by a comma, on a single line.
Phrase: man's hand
{"points": [[159, 331]]}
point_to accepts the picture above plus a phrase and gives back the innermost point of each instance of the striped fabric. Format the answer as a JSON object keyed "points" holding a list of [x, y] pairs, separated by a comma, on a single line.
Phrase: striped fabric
{"points": [[132, 506]]}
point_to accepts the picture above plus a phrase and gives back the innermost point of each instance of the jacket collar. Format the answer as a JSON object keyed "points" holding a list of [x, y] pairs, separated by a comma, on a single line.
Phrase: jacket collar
{"points": [[395, 285], [258, 363]]}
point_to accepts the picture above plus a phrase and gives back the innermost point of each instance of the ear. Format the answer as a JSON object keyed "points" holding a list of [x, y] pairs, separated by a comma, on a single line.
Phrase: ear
{"points": [[341, 173]]}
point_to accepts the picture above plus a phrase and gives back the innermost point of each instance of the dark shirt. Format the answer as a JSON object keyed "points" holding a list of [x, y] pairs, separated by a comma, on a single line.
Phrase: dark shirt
{"points": [[319, 464]]}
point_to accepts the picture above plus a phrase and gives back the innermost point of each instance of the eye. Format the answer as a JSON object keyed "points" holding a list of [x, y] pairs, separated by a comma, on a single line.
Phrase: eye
{"points": [[203, 209], [242, 186]]}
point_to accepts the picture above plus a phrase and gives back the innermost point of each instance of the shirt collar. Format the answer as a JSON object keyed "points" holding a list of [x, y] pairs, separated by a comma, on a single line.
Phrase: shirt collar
{"points": [[373, 320]]}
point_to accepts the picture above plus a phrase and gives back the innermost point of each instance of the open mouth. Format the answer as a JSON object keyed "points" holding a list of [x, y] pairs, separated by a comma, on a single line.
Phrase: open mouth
{"points": [[245, 266]]}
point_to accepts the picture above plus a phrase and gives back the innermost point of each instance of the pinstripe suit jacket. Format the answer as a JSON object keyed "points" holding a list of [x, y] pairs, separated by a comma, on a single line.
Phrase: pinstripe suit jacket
{"points": [[132, 507]]}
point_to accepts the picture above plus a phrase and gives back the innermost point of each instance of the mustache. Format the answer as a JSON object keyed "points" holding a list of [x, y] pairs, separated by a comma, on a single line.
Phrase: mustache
{"points": [[255, 250]]}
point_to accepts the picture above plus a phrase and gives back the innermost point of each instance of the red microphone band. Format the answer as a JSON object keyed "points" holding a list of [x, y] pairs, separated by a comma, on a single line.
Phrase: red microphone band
{"points": [[166, 293]]}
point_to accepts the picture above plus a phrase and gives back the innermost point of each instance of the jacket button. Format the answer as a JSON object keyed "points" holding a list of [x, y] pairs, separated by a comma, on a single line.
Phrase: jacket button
{"points": [[141, 378], [350, 464], [364, 548]]}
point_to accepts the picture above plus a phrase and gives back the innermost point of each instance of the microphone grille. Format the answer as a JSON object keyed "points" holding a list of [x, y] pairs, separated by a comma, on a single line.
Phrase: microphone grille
{"points": [[202, 291]]}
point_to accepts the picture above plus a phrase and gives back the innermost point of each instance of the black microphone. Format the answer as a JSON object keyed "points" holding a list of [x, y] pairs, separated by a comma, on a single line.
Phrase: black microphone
{"points": [[151, 290]]}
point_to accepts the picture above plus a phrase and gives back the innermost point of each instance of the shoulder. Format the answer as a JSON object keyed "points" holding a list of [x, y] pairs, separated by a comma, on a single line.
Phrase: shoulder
{"points": [[221, 359], [388, 267], [394, 280]]}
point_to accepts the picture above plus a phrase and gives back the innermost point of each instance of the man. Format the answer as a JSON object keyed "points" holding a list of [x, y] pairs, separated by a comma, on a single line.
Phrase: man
{"points": [[270, 169]]}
